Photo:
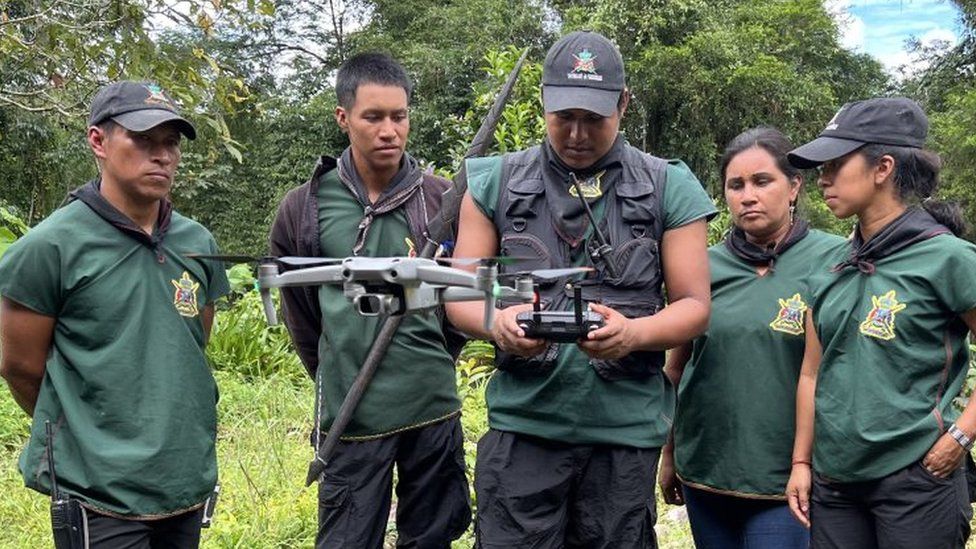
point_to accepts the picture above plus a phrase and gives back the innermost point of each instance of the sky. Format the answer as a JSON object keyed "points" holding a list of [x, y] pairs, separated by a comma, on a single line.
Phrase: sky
{"points": [[881, 27]]}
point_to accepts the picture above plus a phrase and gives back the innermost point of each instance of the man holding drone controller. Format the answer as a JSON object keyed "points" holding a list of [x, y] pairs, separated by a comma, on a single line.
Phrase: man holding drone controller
{"points": [[576, 428], [374, 201], [103, 327]]}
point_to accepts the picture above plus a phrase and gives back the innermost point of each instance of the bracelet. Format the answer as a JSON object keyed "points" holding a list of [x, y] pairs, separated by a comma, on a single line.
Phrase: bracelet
{"points": [[803, 461], [961, 437]]}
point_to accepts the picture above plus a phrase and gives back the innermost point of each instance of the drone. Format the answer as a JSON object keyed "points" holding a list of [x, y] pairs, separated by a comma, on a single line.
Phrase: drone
{"points": [[396, 286]]}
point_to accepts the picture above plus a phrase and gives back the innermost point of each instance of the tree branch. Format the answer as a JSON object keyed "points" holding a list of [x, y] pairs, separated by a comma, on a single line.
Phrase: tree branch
{"points": [[28, 108], [281, 46]]}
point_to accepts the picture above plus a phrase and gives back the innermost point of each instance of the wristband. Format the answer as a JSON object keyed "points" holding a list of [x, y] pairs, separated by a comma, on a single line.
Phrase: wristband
{"points": [[803, 461], [960, 437]]}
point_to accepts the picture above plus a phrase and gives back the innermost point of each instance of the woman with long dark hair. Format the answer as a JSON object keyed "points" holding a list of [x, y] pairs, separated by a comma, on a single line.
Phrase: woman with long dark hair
{"points": [[733, 431], [879, 445]]}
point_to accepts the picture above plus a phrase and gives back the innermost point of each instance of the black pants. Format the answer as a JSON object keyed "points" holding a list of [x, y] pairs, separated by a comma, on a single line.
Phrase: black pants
{"points": [[540, 494], [909, 509], [433, 504], [177, 532]]}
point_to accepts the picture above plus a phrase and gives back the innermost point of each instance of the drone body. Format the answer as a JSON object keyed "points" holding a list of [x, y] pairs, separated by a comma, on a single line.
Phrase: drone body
{"points": [[395, 286], [398, 285]]}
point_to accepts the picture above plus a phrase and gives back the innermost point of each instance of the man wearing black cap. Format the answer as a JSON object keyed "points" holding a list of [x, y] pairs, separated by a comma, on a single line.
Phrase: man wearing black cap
{"points": [[576, 429], [103, 325]]}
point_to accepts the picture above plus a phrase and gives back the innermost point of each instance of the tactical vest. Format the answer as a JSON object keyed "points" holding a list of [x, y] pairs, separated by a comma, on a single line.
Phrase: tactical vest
{"points": [[633, 222]]}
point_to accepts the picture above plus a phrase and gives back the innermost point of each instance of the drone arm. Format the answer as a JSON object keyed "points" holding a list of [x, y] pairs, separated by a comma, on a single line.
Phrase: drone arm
{"points": [[312, 276], [268, 277], [454, 293], [448, 276]]}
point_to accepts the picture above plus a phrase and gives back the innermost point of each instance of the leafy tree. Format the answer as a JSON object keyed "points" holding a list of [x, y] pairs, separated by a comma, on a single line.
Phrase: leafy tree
{"points": [[57, 52], [11, 228], [442, 45], [947, 90]]}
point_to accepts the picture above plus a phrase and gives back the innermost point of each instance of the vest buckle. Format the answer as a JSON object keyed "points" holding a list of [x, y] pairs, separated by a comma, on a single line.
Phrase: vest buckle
{"points": [[519, 224]]}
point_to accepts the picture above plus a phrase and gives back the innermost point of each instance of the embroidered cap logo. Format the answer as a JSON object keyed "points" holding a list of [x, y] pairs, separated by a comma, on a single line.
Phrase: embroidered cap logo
{"points": [[584, 67], [156, 96], [832, 125]]}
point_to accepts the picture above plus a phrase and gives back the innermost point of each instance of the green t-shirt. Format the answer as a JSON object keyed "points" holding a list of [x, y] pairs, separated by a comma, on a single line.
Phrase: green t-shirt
{"points": [[127, 384], [733, 429], [572, 403], [894, 357], [415, 383]]}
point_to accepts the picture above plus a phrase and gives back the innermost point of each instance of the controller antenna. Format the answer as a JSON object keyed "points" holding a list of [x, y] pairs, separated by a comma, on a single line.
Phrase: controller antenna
{"points": [[578, 304]]}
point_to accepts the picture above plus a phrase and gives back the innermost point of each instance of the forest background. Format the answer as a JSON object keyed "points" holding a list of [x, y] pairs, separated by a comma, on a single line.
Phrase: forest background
{"points": [[256, 78]]}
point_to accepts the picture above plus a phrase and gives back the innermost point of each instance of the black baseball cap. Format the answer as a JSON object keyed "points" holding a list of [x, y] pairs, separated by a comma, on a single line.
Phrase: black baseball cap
{"points": [[137, 107], [895, 121], [583, 70]]}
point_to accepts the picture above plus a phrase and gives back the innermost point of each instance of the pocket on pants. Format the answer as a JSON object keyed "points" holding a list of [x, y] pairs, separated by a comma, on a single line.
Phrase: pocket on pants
{"points": [[333, 511]]}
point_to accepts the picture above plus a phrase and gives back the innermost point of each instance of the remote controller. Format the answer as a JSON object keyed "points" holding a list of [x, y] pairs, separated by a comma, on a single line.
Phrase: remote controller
{"points": [[558, 326]]}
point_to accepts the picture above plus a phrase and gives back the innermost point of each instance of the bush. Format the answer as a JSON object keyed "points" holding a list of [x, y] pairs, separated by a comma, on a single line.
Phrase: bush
{"points": [[243, 343], [12, 227]]}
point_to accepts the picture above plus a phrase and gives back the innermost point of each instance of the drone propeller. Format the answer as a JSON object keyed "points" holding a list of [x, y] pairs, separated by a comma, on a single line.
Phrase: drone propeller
{"points": [[546, 274], [229, 258], [287, 260], [308, 261], [496, 260]]}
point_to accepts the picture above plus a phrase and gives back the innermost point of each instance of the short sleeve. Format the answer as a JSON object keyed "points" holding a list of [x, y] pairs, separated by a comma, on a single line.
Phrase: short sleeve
{"points": [[30, 274], [218, 285], [955, 281], [484, 180], [685, 200]]}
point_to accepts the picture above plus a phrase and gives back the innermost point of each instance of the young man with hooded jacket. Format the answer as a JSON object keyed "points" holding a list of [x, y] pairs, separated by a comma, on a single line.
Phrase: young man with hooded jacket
{"points": [[375, 201]]}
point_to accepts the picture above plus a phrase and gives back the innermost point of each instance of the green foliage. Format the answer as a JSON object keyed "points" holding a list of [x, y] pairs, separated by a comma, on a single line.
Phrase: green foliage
{"points": [[241, 278], [954, 137], [442, 45], [970, 384], [947, 91], [58, 52], [521, 124], [474, 369], [262, 449], [238, 201], [12, 227], [720, 225], [14, 424], [242, 343], [42, 158]]}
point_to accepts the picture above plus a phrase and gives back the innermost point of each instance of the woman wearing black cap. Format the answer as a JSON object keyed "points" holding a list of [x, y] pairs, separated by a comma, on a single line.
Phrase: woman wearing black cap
{"points": [[732, 442], [886, 349]]}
